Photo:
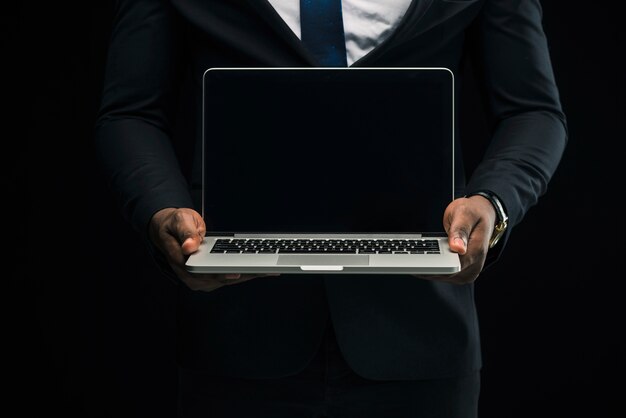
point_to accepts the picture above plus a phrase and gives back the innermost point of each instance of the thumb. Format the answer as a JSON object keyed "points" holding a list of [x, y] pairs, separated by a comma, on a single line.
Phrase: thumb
{"points": [[189, 230], [459, 233]]}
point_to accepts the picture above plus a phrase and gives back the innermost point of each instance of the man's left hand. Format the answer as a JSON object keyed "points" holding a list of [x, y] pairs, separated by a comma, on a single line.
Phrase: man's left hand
{"points": [[469, 223]]}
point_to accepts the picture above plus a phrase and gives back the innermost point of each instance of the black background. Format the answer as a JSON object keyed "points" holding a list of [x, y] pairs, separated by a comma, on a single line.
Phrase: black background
{"points": [[97, 339]]}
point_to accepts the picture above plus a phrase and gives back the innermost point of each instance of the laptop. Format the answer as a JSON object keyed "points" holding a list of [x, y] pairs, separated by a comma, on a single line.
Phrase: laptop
{"points": [[327, 170]]}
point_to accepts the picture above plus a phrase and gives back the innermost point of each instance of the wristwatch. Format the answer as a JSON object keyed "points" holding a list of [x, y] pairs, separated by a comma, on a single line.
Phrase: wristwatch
{"points": [[503, 220]]}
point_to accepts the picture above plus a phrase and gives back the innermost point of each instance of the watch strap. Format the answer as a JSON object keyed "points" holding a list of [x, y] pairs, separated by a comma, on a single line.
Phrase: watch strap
{"points": [[503, 219]]}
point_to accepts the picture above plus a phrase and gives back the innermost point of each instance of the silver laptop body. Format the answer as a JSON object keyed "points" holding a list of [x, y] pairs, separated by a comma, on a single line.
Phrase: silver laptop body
{"points": [[327, 170]]}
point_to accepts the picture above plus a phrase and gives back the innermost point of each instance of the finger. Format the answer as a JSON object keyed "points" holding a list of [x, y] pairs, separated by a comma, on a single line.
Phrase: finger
{"points": [[447, 278], [241, 276], [477, 246], [230, 276], [173, 253], [461, 226], [210, 282], [432, 277], [204, 283], [245, 277], [467, 275], [189, 229]]}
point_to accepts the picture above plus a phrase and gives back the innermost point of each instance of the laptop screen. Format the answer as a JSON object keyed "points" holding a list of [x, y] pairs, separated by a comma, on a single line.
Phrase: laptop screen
{"points": [[327, 150]]}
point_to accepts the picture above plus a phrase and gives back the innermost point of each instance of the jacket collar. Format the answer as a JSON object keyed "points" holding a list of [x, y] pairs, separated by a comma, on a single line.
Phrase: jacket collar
{"points": [[273, 19]]}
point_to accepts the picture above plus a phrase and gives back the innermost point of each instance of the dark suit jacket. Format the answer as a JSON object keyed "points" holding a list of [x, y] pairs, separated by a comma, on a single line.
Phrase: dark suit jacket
{"points": [[388, 327]]}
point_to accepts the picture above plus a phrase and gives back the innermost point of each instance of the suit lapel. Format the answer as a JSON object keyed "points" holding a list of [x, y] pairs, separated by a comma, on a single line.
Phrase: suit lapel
{"points": [[269, 14]]}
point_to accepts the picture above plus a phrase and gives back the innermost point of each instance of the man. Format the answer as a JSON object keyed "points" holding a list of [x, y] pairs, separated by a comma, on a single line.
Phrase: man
{"points": [[324, 345]]}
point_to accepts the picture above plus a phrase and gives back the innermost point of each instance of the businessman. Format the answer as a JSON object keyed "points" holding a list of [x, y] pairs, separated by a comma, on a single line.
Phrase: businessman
{"points": [[316, 345]]}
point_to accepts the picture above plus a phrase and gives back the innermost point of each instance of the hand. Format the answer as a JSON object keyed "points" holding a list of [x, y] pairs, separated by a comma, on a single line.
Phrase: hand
{"points": [[469, 223], [179, 233]]}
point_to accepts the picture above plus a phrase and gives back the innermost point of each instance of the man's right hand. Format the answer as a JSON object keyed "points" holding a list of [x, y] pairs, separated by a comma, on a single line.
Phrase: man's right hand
{"points": [[179, 233]]}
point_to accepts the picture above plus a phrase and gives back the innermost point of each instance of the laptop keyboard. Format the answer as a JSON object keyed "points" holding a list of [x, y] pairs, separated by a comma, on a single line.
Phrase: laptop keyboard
{"points": [[326, 246]]}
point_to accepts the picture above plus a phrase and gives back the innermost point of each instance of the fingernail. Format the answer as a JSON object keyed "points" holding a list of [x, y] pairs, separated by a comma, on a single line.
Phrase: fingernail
{"points": [[459, 241]]}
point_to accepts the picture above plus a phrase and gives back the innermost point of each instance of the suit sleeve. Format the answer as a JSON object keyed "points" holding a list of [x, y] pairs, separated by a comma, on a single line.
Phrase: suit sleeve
{"points": [[132, 136], [529, 130]]}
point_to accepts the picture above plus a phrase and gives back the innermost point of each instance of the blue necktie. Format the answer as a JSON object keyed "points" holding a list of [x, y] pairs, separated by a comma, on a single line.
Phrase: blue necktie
{"points": [[321, 23]]}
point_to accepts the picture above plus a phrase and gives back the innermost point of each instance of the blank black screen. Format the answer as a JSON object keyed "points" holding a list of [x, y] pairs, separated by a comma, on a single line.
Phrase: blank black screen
{"points": [[327, 150]]}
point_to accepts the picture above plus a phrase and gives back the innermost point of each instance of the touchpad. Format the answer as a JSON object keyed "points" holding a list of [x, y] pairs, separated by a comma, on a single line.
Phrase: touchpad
{"points": [[323, 260]]}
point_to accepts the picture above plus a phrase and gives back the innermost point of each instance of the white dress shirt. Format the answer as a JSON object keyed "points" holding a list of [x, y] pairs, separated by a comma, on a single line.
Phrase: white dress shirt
{"points": [[366, 23]]}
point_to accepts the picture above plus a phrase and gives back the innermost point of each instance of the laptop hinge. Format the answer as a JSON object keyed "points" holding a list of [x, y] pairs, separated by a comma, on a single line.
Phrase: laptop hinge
{"points": [[327, 235]]}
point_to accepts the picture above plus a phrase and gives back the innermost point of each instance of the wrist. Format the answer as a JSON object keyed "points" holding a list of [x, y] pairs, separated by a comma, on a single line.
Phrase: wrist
{"points": [[501, 217]]}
